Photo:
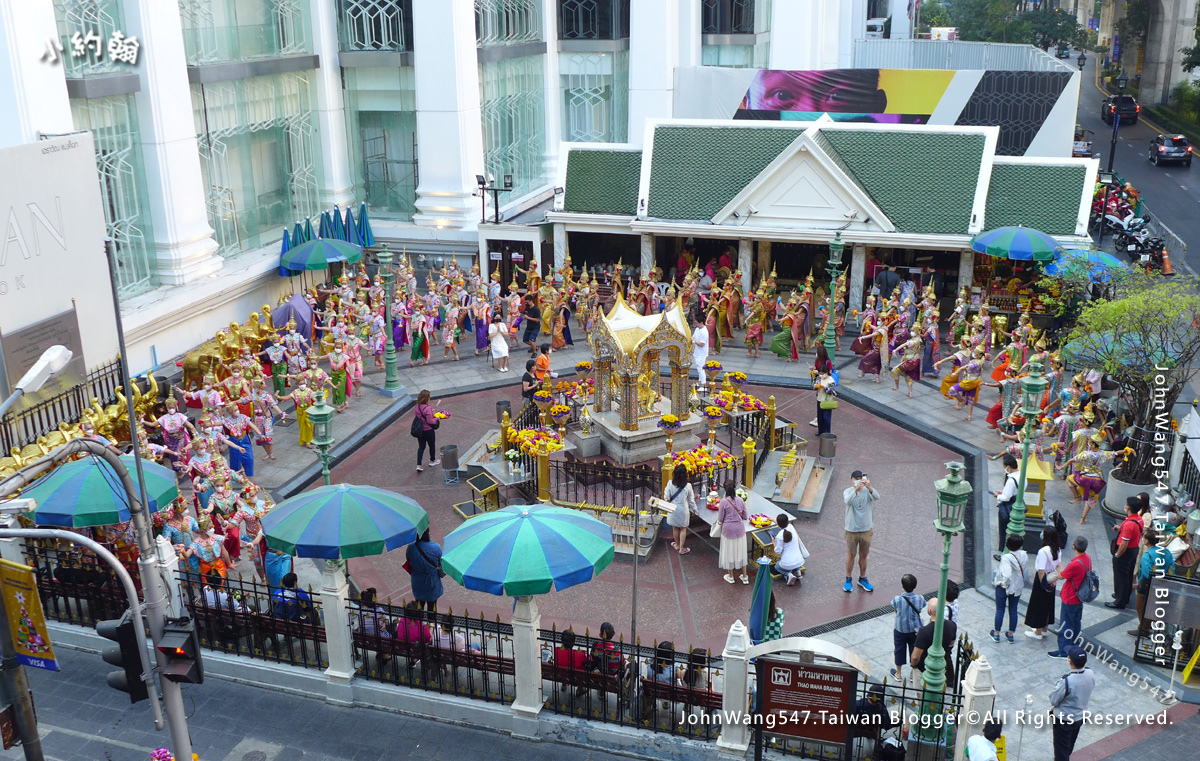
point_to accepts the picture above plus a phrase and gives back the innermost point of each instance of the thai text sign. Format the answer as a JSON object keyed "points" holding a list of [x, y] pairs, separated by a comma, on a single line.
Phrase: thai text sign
{"points": [[25, 618], [812, 702]]}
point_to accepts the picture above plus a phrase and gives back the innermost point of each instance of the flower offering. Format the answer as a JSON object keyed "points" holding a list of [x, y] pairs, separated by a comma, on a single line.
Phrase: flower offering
{"points": [[669, 423], [583, 367], [529, 440], [701, 460], [560, 411], [442, 415], [713, 413], [713, 366], [758, 520]]}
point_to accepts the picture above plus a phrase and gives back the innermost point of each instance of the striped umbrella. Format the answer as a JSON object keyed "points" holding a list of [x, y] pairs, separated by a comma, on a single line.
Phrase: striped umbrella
{"points": [[285, 245], [527, 550], [325, 226], [308, 230], [297, 235], [88, 492], [317, 255], [351, 229], [1097, 262], [345, 521], [1017, 243], [760, 601], [364, 226]]}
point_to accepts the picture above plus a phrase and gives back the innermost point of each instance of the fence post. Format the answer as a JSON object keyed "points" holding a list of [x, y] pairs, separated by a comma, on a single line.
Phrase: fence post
{"points": [[335, 597], [979, 698], [735, 700], [748, 463], [668, 471], [527, 660], [505, 424], [772, 436], [543, 474], [168, 567]]}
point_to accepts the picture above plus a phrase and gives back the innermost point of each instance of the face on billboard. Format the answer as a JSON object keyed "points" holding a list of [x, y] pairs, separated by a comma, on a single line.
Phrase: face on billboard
{"points": [[836, 91]]}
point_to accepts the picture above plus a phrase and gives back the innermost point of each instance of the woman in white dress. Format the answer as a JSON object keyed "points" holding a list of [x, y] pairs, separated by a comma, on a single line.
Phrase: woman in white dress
{"points": [[679, 493], [699, 348], [498, 339]]}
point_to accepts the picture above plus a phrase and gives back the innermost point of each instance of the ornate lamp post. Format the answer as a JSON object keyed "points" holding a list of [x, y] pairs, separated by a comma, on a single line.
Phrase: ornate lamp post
{"points": [[952, 496], [1033, 386], [1121, 82], [836, 246], [1082, 60], [321, 417], [391, 383]]}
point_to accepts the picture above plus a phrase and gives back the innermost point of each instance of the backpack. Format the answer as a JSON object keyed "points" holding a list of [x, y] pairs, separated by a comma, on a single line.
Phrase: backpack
{"points": [[417, 428], [1089, 588]]}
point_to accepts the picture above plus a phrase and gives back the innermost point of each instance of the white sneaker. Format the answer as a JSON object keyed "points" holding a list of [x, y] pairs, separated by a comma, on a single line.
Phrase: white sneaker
{"points": [[420, 469], [434, 462], [791, 579], [1030, 633], [729, 578]]}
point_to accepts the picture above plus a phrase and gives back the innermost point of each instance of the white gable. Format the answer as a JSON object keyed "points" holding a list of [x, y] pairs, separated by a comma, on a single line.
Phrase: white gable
{"points": [[804, 189]]}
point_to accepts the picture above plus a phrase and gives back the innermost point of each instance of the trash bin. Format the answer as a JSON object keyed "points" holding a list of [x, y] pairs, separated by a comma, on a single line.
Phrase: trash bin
{"points": [[450, 464], [827, 446], [501, 408]]}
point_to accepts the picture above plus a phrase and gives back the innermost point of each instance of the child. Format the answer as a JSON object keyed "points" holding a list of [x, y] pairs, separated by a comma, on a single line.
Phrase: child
{"points": [[908, 620], [542, 365], [606, 658]]}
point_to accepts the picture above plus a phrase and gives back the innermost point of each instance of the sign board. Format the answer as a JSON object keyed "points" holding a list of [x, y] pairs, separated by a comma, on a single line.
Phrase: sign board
{"points": [[25, 618], [1174, 601], [807, 701], [23, 347], [8, 727], [495, 256], [52, 260]]}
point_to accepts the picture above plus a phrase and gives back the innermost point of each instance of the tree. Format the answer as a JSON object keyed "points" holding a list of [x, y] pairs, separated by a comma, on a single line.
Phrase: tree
{"points": [[935, 13], [1147, 340], [1051, 27], [1136, 23]]}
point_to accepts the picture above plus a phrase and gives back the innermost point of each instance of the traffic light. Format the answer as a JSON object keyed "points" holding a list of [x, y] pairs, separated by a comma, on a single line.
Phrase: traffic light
{"points": [[125, 655], [181, 646]]}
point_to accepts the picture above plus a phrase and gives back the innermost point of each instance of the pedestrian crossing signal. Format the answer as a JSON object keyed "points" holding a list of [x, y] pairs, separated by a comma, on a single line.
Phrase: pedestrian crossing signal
{"points": [[181, 646]]}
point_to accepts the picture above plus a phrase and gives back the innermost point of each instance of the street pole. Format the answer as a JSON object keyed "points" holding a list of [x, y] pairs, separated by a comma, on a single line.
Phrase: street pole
{"points": [[154, 595], [1032, 388], [836, 246], [1112, 150], [391, 383]]}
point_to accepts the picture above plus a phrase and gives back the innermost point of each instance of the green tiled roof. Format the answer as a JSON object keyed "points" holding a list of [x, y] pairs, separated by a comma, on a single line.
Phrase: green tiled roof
{"points": [[1058, 189], [923, 181], [697, 170], [602, 182]]}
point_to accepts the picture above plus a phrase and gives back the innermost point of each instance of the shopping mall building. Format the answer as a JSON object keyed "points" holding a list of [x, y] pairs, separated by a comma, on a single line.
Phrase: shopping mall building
{"points": [[614, 128]]}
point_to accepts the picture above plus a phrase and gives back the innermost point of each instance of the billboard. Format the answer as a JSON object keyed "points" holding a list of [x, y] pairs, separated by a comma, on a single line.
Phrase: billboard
{"points": [[808, 701], [54, 281], [1035, 110], [26, 622]]}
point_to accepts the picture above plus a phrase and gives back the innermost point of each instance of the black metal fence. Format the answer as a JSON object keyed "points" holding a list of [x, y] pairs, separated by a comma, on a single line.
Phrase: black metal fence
{"points": [[24, 427], [250, 619], [75, 586], [601, 483], [439, 652], [656, 688], [1189, 475]]}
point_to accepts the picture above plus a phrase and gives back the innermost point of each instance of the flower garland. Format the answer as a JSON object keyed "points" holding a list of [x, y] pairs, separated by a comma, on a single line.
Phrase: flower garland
{"points": [[758, 520], [700, 460], [529, 440], [670, 423], [737, 377], [713, 366], [560, 411], [442, 415], [583, 367], [728, 400], [713, 413], [543, 395]]}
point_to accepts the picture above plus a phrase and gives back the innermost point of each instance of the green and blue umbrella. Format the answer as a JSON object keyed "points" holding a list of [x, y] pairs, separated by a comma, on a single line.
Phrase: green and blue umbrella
{"points": [[760, 601], [325, 227], [297, 235], [317, 255], [344, 521], [351, 229], [1097, 262], [527, 550], [1016, 243], [364, 226], [308, 230], [87, 492], [335, 228]]}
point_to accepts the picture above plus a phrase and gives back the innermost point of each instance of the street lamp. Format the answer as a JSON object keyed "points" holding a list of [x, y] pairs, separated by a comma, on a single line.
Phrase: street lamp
{"points": [[321, 417], [1122, 80], [391, 383], [953, 493], [1082, 60], [1106, 179], [836, 246], [52, 362], [1033, 386]]}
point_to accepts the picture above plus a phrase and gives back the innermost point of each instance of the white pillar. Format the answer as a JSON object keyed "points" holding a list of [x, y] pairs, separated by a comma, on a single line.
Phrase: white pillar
{"points": [[653, 54], [335, 596], [183, 240], [10, 549], [858, 276], [168, 571], [33, 91], [553, 92], [735, 737], [764, 260], [745, 265], [689, 33], [337, 183], [527, 659], [805, 35], [647, 260], [901, 23], [450, 149], [966, 269], [979, 697], [560, 245]]}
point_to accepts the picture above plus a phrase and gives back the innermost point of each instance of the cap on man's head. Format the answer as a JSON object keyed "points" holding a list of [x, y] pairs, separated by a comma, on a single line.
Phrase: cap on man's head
{"points": [[1077, 655], [856, 474]]}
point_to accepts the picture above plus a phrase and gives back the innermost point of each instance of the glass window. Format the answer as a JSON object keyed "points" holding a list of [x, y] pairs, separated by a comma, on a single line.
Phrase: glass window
{"points": [[101, 17], [507, 22], [595, 92], [375, 25], [732, 56], [113, 123], [593, 19], [514, 121], [216, 31], [727, 16], [382, 128], [258, 156]]}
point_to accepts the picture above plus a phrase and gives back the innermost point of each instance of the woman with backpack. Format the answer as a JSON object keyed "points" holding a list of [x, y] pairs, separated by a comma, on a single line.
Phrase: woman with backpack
{"points": [[424, 429], [1009, 580]]}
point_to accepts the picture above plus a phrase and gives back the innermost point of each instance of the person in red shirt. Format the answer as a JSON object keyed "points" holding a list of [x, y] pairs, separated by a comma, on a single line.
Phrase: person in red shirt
{"points": [[541, 367], [566, 656], [1124, 553], [1072, 607], [411, 628]]}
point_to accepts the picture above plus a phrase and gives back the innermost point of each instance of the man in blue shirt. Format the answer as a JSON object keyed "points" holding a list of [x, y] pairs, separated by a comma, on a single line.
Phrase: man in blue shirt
{"points": [[1156, 562], [289, 603]]}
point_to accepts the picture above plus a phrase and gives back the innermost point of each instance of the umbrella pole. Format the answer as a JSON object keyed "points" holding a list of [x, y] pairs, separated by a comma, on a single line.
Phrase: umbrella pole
{"points": [[637, 522]]}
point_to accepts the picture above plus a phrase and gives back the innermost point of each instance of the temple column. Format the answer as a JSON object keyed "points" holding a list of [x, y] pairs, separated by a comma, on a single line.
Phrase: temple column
{"points": [[858, 271], [603, 367], [745, 265], [337, 187], [679, 394], [966, 269], [560, 245], [629, 400], [647, 251], [764, 258]]}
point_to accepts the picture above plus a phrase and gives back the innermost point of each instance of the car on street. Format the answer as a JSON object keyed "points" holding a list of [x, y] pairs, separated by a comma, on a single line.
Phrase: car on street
{"points": [[1123, 105], [1165, 148], [1062, 52]]}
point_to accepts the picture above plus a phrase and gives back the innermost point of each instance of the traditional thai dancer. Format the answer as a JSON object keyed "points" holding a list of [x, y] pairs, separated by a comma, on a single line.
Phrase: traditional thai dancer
{"points": [[419, 332], [966, 390], [562, 324], [910, 364], [304, 397], [238, 428], [755, 327], [481, 312], [275, 354], [248, 523], [175, 427], [208, 550], [878, 354], [265, 408], [1087, 473], [179, 528], [339, 365]]}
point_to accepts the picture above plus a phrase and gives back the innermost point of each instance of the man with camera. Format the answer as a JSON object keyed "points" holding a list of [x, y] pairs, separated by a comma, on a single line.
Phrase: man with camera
{"points": [[860, 528]]}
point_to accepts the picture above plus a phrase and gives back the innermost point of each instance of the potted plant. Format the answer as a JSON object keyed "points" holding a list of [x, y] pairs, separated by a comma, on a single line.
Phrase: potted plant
{"points": [[1146, 338]]}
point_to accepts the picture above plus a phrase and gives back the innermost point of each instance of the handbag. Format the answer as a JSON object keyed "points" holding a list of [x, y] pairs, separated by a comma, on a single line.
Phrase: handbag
{"points": [[715, 531], [828, 404], [438, 564]]}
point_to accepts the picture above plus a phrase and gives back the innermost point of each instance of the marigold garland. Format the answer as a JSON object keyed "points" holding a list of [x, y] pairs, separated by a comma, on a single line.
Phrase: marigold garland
{"points": [[701, 460], [669, 423], [529, 440]]}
